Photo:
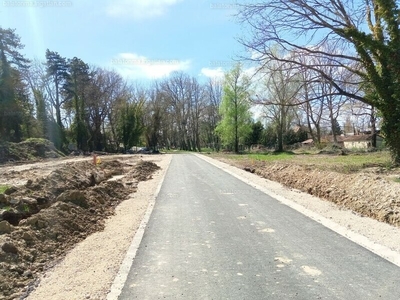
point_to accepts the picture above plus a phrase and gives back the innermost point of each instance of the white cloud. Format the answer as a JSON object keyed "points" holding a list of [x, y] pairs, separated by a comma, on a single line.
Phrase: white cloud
{"points": [[139, 9], [134, 66], [217, 73]]}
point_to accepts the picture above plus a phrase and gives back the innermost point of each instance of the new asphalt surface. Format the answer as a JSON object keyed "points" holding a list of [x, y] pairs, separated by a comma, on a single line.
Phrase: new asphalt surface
{"points": [[212, 236]]}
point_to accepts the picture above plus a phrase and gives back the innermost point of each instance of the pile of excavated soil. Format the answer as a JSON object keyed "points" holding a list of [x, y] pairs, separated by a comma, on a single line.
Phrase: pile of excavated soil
{"points": [[368, 193], [29, 150], [42, 220]]}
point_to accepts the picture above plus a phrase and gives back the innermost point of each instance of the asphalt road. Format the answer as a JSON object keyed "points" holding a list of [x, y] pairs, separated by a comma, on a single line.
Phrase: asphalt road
{"points": [[211, 236]]}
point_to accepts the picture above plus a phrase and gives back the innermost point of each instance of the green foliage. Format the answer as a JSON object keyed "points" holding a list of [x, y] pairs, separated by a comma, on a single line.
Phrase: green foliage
{"points": [[13, 94], [291, 137], [3, 188], [130, 123], [25, 208], [255, 135], [75, 89], [235, 122], [338, 163], [269, 138], [57, 72], [337, 130]]}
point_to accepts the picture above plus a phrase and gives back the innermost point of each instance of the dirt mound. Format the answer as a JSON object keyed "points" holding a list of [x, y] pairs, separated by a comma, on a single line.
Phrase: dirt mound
{"points": [[367, 193], [29, 150], [41, 220], [144, 169]]}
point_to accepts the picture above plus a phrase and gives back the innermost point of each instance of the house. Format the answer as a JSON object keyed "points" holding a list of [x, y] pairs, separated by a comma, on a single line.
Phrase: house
{"points": [[363, 141], [329, 140], [324, 140]]}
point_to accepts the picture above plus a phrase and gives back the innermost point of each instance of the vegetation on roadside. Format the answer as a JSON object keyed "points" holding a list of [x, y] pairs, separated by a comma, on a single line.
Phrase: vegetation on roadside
{"points": [[28, 150], [353, 162]]}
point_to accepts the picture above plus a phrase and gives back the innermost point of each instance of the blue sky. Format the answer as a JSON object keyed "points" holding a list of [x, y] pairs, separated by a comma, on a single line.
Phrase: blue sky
{"points": [[141, 39]]}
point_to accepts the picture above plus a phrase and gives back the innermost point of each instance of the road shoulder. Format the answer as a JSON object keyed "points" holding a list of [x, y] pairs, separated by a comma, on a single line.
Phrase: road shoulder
{"points": [[380, 238]]}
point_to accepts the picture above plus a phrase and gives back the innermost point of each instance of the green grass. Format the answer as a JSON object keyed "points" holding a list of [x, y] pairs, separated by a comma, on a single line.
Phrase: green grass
{"points": [[175, 151], [396, 180], [269, 157], [350, 163], [26, 208], [7, 208], [3, 188]]}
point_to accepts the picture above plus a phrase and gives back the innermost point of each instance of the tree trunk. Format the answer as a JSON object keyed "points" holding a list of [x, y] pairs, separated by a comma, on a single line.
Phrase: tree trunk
{"points": [[236, 136], [373, 127], [280, 138], [391, 128], [281, 128]]}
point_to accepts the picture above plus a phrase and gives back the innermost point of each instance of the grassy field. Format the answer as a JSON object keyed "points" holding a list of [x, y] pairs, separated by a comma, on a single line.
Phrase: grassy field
{"points": [[352, 162]]}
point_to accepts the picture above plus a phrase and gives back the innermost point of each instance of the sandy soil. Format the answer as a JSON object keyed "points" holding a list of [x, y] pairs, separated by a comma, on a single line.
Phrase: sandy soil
{"points": [[11, 174], [87, 271]]}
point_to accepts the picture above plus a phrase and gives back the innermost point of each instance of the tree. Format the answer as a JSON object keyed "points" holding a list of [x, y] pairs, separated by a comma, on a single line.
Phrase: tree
{"points": [[269, 136], [103, 90], [197, 105], [336, 129], [365, 119], [56, 67], [12, 88], [280, 87], [75, 87], [313, 110], [211, 116], [186, 98], [130, 126], [153, 119], [367, 31], [255, 135], [41, 91], [234, 109]]}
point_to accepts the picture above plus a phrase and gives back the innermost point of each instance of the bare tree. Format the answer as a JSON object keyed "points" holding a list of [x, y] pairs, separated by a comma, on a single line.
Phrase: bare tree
{"points": [[177, 91], [281, 85], [154, 117], [197, 106], [311, 102], [368, 31], [365, 119], [211, 116]]}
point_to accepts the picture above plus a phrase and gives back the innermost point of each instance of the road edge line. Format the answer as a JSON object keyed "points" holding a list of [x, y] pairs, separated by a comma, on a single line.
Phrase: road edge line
{"points": [[122, 275], [363, 241]]}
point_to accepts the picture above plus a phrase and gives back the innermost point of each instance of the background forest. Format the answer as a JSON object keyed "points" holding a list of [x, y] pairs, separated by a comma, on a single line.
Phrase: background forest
{"points": [[82, 107]]}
